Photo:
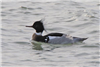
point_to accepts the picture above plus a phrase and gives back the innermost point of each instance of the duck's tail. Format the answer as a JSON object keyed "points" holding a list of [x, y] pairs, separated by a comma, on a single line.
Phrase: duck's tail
{"points": [[82, 39], [77, 39]]}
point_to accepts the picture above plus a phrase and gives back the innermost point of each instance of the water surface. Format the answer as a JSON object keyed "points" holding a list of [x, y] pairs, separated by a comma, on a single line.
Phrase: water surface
{"points": [[79, 19]]}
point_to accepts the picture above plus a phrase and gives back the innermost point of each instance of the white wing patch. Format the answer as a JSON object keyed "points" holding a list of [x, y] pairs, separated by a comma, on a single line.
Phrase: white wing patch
{"points": [[53, 37]]}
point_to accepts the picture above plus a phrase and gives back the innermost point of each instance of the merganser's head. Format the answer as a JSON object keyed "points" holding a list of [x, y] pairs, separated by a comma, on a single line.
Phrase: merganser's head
{"points": [[38, 26]]}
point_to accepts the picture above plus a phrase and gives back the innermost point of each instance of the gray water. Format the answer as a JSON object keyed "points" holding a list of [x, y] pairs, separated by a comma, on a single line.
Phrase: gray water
{"points": [[80, 19]]}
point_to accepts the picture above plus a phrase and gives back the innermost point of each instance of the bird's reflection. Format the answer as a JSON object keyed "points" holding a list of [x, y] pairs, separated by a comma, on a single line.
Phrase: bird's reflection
{"points": [[42, 46], [36, 46], [48, 47]]}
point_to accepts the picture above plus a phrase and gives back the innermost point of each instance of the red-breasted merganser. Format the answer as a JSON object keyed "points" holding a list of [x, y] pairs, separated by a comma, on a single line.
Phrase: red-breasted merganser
{"points": [[53, 38]]}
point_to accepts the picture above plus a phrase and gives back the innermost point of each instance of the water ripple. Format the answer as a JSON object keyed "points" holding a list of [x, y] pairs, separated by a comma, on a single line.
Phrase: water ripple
{"points": [[20, 42], [78, 19]]}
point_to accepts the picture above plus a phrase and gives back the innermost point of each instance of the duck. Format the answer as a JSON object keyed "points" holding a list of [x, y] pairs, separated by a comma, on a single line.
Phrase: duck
{"points": [[52, 38]]}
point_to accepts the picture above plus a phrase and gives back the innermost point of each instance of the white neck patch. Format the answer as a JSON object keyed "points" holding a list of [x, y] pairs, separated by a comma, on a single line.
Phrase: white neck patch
{"points": [[38, 33]]}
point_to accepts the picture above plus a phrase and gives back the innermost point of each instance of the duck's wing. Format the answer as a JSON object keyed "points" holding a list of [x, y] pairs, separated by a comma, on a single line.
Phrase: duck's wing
{"points": [[61, 40], [52, 37], [58, 38]]}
